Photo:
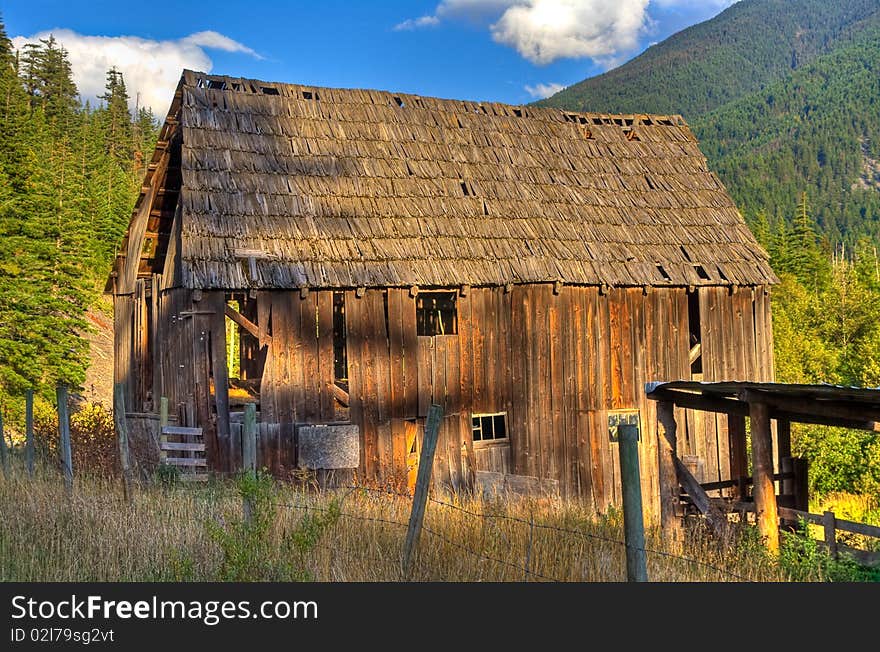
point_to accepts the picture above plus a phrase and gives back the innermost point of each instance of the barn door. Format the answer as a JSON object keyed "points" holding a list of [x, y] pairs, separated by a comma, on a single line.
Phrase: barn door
{"points": [[411, 434]]}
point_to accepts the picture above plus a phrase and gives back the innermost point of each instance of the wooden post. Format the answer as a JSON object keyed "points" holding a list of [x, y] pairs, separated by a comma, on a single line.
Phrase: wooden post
{"points": [[423, 481], [801, 484], [249, 453], [4, 453], [739, 464], [670, 522], [122, 438], [766, 512], [633, 518], [29, 452], [829, 522], [249, 438], [163, 421], [64, 437]]}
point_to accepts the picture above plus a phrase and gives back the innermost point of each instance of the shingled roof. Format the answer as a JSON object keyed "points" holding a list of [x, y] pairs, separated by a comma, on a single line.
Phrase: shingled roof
{"points": [[288, 186]]}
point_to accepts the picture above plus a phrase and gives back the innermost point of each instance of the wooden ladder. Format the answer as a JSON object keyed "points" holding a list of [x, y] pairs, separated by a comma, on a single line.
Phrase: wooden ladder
{"points": [[187, 452]]}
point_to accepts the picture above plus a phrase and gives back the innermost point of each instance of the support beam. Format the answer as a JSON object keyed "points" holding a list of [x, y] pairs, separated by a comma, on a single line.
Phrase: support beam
{"points": [[241, 320], [670, 522], [762, 464], [339, 394]]}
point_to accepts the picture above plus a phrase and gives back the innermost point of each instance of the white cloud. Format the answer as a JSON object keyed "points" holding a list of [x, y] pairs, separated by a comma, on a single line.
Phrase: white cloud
{"points": [[151, 68], [415, 23], [545, 30], [541, 91]]}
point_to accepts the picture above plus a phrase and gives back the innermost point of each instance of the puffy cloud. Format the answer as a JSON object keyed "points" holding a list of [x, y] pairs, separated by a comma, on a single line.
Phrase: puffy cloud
{"points": [[545, 30], [151, 68], [540, 91]]}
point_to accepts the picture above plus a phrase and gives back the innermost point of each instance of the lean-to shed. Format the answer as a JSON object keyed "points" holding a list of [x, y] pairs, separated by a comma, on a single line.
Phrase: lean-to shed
{"points": [[353, 256]]}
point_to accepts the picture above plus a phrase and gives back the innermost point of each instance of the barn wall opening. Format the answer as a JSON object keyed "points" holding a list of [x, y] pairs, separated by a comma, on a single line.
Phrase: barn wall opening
{"points": [[436, 313]]}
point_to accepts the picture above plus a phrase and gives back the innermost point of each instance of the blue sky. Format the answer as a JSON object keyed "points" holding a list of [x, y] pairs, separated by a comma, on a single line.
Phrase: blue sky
{"points": [[509, 51]]}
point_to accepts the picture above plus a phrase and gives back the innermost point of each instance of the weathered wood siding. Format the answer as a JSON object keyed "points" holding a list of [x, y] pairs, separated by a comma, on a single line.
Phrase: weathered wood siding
{"points": [[556, 360]]}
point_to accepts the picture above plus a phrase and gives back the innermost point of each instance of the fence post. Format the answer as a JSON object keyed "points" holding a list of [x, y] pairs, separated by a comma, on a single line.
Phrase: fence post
{"points": [[633, 518], [122, 438], [829, 522], [249, 453], [163, 421], [64, 436], [4, 453], [29, 452], [423, 480]]}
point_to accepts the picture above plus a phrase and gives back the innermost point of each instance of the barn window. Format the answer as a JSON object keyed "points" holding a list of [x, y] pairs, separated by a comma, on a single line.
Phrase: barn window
{"points": [[436, 313], [695, 354], [340, 359], [490, 427]]}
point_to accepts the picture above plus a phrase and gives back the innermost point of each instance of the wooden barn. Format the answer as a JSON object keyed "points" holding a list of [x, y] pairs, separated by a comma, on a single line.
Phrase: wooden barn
{"points": [[346, 258]]}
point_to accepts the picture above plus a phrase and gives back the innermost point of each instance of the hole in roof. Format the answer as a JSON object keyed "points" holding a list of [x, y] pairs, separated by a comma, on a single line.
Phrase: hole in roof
{"points": [[399, 102], [701, 272], [518, 113], [722, 274], [631, 134], [628, 122], [650, 183], [483, 109], [485, 208], [409, 169], [309, 95], [663, 273], [236, 87], [217, 84], [459, 123], [687, 256], [582, 120], [597, 121], [465, 190], [267, 90]]}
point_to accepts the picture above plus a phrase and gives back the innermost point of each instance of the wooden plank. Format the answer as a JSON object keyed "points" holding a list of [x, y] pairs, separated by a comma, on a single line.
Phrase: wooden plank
{"points": [[582, 353], [556, 378], [313, 385], [518, 422], [465, 391], [596, 370], [426, 373], [181, 430], [568, 318], [479, 326], [353, 345], [410, 357], [379, 352], [241, 320], [181, 446], [186, 461]]}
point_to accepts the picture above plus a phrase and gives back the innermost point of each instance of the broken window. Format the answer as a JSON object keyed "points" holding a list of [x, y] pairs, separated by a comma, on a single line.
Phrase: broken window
{"points": [[490, 427], [695, 354], [436, 313], [245, 358]]}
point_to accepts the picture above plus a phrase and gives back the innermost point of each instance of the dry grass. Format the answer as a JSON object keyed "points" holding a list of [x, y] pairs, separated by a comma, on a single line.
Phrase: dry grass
{"points": [[94, 536]]}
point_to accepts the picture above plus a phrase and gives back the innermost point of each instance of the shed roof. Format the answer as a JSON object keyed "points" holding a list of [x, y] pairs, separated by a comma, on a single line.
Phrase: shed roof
{"points": [[286, 185]]}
